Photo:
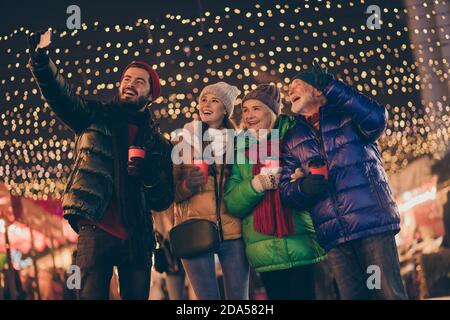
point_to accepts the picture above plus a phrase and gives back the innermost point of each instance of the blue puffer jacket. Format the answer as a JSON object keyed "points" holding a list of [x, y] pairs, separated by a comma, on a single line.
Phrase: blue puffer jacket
{"points": [[359, 202]]}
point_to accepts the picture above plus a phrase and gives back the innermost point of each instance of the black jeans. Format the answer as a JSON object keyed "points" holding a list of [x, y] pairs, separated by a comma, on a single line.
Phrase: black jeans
{"points": [[290, 284], [97, 253], [351, 262]]}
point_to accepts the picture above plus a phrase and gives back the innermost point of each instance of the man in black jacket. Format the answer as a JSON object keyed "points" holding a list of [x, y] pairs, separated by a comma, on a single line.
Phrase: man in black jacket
{"points": [[108, 197]]}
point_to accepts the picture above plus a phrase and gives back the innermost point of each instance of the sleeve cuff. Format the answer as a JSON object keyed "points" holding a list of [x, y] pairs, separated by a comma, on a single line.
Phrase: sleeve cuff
{"points": [[252, 191]]}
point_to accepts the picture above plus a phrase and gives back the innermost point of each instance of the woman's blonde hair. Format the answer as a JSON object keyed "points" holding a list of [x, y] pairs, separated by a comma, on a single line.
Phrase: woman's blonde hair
{"points": [[229, 123]]}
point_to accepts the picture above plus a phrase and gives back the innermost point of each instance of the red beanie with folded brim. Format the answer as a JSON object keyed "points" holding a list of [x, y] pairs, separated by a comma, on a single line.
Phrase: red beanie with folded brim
{"points": [[156, 86]]}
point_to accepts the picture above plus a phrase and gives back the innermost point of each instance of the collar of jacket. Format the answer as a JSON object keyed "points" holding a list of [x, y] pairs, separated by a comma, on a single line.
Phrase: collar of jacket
{"points": [[324, 110], [120, 113]]}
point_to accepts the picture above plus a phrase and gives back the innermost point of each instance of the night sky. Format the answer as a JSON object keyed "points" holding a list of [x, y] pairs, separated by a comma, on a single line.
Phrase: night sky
{"points": [[242, 42]]}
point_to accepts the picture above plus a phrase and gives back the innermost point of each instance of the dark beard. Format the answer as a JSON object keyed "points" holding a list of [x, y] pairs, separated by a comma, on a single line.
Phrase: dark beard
{"points": [[134, 105]]}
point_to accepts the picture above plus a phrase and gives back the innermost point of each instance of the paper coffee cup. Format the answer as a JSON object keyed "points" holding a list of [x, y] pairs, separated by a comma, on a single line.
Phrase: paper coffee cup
{"points": [[321, 170], [318, 166], [203, 166], [136, 152], [271, 163]]}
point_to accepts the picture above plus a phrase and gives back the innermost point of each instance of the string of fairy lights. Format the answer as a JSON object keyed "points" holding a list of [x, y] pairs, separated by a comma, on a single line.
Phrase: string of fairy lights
{"points": [[266, 43]]}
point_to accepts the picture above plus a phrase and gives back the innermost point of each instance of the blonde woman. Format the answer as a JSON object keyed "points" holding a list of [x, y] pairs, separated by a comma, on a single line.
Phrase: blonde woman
{"points": [[196, 199], [280, 243]]}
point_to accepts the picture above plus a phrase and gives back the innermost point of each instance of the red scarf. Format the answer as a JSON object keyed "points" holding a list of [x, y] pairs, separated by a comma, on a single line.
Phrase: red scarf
{"points": [[314, 120], [269, 216]]}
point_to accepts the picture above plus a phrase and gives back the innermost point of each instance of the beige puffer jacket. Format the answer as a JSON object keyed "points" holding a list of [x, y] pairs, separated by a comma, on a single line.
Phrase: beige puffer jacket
{"points": [[202, 205]]}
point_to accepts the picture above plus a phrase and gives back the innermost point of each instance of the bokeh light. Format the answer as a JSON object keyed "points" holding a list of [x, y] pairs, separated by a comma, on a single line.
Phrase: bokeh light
{"points": [[264, 43]]}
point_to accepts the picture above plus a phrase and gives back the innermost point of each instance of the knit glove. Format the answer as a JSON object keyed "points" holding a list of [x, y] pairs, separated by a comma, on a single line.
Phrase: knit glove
{"points": [[141, 169], [262, 182], [321, 75], [297, 174]]}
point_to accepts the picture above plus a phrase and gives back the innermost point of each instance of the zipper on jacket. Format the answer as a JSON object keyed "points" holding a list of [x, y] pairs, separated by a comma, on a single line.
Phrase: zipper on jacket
{"points": [[77, 159], [331, 186], [374, 186], [319, 139]]}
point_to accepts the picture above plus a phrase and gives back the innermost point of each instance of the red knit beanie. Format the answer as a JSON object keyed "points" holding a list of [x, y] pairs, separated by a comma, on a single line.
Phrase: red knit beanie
{"points": [[155, 85]]}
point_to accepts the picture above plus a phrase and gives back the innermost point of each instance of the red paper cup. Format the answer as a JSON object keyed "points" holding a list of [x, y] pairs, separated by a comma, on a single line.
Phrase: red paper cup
{"points": [[272, 163], [203, 166], [321, 170], [136, 152]]}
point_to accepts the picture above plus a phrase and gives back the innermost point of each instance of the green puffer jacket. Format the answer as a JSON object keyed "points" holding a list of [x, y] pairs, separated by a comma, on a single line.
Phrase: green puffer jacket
{"points": [[265, 252]]}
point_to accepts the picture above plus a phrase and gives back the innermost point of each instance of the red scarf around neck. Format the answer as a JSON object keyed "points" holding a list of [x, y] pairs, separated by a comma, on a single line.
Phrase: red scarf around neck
{"points": [[269, 215], [314, 120]]}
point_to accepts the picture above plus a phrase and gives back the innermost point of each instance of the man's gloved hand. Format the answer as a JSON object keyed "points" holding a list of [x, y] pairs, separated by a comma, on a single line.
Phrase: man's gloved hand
{"points": [[137, 168], [321, 75], [314, 185], [194, 179], [37, 54], [263, 182]]}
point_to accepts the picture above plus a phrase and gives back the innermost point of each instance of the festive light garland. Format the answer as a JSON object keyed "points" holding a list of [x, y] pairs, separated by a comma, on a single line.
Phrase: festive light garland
{"points": [[241, 46]]}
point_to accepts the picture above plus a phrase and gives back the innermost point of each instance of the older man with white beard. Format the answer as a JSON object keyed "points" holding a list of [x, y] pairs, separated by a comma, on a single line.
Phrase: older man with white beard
{"points": [[334, 143]]}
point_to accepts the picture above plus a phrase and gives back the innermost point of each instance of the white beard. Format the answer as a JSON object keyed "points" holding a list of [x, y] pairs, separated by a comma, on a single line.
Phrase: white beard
{"points": [[308, 106]]}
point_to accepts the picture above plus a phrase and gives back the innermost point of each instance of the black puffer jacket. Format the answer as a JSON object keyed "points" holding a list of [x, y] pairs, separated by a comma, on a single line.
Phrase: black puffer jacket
{"points": [[100, 158]]}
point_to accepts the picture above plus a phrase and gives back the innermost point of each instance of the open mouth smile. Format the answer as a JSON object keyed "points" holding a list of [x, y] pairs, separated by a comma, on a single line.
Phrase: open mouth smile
{"points": [[129, 93], [295, 99]]}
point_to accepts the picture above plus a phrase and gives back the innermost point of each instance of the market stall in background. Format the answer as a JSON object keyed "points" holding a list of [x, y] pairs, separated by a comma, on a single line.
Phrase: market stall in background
{"points": [[422, 191], [36, 246]]}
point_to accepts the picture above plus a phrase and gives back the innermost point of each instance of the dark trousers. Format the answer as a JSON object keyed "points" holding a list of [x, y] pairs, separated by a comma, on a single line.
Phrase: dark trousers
{"points": [[353, 264], [290, 284], [97, 253]]}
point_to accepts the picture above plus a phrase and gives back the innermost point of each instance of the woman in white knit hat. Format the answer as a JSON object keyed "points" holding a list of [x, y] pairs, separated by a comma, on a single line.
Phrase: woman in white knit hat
{"points": [[198, 196]]}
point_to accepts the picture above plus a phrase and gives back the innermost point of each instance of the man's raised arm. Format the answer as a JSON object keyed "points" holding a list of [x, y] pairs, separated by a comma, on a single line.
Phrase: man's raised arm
{"points": [[72, 109]]}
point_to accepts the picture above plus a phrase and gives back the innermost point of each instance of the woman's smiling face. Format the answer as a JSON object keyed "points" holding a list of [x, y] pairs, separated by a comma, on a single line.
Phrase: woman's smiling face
{"points": [[256, 115], [212, 110]]}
